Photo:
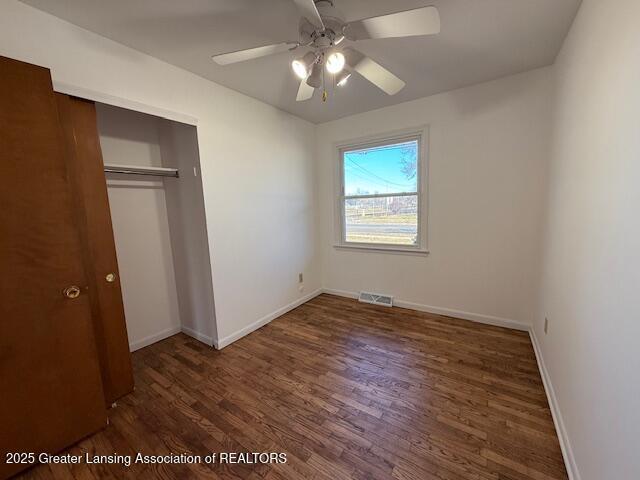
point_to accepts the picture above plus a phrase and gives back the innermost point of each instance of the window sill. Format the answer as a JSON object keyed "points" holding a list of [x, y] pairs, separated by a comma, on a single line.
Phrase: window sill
{"points": [[383, 249]]}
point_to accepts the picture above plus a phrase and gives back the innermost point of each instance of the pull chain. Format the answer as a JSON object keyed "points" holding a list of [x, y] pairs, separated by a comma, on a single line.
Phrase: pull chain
{"points": [[324, 87]]}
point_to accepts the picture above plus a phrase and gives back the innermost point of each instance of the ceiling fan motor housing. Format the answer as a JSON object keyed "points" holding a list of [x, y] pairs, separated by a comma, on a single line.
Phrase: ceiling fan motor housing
{"points": [[333, 21]]}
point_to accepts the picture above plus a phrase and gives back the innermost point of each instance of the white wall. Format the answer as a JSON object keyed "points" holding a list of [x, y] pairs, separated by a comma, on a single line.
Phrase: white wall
{"points": [[140, 225], [591, 257], [185, 208], [487, 151], [128, 137], [257, 167]]}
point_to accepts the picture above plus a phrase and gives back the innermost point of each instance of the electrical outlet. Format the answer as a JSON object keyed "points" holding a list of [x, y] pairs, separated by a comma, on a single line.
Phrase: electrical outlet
{"points": [[300, 278], [546, 325]]}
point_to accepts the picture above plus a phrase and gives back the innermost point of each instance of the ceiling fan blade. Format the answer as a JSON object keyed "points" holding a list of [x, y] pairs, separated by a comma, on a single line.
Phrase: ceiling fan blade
{"points": [[310, 12], [372, 71], [419, 21], [251, 53], [305, 92]]}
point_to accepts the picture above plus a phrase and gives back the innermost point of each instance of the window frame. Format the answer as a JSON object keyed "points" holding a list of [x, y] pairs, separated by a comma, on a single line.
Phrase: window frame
{"points": [[420, 135]]}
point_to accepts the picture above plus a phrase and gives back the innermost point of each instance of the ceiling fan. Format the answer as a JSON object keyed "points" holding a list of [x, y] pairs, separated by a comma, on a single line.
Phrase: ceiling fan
{"points": [[322, 31]]}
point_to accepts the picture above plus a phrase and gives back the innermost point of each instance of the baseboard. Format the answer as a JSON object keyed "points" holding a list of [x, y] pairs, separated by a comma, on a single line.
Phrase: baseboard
{"points": [[448, 312], [340, 293], [229, 339], [563, 437], [156, 337], [197, 335]]}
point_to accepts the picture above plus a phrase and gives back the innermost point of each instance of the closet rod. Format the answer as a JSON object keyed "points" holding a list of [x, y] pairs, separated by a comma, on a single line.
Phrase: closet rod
{"points": [[156, 172]]}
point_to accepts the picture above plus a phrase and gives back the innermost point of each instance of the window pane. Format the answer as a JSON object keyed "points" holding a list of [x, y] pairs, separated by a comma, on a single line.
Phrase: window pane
{"points": [[385, 169], [388, 220]]}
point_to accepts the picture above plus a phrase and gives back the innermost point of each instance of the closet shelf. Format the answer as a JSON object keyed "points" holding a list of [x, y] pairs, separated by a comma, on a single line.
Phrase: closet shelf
{"points": [[138, 170]]}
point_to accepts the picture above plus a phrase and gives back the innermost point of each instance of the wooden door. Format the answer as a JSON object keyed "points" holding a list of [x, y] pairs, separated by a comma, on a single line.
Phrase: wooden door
{"points": [[86, 168], [50, 387]]}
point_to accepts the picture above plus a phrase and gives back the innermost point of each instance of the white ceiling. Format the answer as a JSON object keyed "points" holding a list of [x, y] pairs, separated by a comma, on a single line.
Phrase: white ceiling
{"points": [[480, 40]]}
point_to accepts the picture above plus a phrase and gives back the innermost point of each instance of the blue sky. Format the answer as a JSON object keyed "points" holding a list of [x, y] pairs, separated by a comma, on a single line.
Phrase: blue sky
{"points": [[379, 170]]}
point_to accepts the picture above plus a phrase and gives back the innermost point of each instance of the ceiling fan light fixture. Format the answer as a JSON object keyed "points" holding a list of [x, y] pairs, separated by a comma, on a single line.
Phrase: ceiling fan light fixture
{"points": [[302, 66], [315, 79], [299, 69], [322, 28], [335, 62], [343, 78]]}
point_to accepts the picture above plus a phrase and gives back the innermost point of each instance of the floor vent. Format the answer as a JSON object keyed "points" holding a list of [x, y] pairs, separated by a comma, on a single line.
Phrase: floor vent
{"points": [[376, 299]]}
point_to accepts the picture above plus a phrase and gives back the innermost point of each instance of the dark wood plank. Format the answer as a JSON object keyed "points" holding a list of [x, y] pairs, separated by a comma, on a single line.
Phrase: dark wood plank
{"points": [[348, 391]]}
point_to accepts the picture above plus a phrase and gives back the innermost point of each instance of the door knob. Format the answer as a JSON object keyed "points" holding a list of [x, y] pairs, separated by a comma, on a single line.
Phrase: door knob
{"points": [[110, 277], [71, 292]]}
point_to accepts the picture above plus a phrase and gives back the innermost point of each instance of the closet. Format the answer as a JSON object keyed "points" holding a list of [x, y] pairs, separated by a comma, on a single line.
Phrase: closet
{"points": [[157, 209], [75, 240]]}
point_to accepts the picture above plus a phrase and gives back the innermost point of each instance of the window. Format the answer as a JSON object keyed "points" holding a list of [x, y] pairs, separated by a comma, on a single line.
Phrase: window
{"points": [[381, 194]]}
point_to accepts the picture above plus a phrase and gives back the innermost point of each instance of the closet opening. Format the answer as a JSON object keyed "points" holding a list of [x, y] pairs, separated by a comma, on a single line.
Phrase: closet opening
{"points": [[152, 169]]}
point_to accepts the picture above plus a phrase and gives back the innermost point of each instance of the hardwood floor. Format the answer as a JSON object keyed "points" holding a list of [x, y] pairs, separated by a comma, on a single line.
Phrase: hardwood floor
{"points": [[347, 390]]}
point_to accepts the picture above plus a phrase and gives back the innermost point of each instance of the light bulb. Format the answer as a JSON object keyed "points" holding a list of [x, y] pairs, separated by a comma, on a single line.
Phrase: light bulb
{"points": [[302, 66], [335, 62], [341, 80], [299, 69]]}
